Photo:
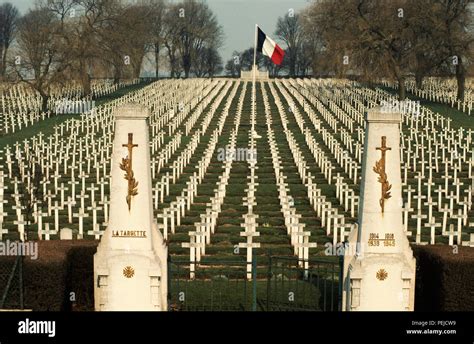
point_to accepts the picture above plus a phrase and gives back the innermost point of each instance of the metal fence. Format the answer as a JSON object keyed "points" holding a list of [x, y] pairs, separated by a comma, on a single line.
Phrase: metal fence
{"points": [[268, 283], [11, 284], [213, 286], [297, 285]]}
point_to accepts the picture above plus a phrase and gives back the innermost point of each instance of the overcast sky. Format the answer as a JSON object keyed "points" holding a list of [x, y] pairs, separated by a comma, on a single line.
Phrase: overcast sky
{"points": [[237, 17]]}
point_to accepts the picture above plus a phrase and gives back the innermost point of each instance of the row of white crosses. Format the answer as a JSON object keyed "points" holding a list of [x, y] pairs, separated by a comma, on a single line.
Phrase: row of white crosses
{"points": [[250, 218], [350, 158], [206, 227], [107, 86], [179, 163], [434, 150], [441, 90], [337, 191], [162, 187], [185, 156], [299, 238], [330, 217], [342, 157], [172, 215], [14, 122], [427, 140], [344, 192], [67, 160], [165, 154], [173, 145], [2, 202], [174, 102], [182, 111], [197, 110], [20, 105]]}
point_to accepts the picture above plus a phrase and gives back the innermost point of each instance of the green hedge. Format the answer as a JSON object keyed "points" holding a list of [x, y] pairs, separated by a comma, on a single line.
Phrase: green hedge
{"points": [[445, 278], [63, 267]]}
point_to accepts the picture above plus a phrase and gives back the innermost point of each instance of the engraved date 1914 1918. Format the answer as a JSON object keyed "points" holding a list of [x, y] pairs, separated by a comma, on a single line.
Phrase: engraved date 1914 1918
{"points": [[375, 240]]}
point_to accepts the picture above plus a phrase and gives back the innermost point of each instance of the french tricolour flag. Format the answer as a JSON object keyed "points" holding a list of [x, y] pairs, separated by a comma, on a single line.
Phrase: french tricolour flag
{"points": [[268, 47]]}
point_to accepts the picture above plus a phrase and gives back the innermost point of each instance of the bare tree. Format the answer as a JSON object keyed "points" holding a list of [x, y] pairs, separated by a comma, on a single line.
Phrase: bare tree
{"points": [[246, 59], [368, 38], [94, 35], [395, 39], [171, 38], [76, 36], [454, 18], [135, 22], [233, 66], [195, 27], [157, 8], [208, 63], [313, 45], [426, 57], [289, 30], [8, 25], [42, 60]]}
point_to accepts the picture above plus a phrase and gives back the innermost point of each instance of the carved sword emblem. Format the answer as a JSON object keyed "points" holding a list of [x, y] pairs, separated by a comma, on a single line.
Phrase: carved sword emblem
{"points": [[127, 166], [379, 168]]}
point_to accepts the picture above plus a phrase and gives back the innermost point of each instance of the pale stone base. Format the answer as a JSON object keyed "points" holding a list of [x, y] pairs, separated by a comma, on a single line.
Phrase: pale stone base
{"points": [[379, 283], [146, 287], [259, 76]]}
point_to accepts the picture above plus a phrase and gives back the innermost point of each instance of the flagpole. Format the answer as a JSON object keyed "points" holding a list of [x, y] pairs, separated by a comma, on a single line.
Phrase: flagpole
{"points": [[255, 49], [254, 70]]}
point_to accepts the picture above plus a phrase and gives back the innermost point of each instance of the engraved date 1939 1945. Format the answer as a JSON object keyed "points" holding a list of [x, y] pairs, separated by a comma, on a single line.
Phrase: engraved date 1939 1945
{"points": [[388, 240]]}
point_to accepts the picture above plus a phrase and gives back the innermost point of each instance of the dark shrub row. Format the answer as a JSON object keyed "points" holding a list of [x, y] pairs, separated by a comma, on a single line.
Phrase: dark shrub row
{"points": [[445, 278]]}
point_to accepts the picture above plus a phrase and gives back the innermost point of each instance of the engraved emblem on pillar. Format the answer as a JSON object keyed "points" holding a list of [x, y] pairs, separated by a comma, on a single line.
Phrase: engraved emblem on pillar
{"points": [[127, 166], [379, 168]]}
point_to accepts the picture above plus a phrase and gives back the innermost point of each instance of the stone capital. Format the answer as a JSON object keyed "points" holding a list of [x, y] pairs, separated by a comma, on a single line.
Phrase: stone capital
{"points": [[380, 115], [131, 111]]}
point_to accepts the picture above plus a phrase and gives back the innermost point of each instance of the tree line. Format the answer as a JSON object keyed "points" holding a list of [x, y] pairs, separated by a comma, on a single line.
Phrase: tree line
{"points": [[59, 40], [363, 39]]}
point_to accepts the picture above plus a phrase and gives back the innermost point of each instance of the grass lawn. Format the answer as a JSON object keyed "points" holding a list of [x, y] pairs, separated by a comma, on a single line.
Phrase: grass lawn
{"points": [[459, 118], [47, 126], [225, 294]]}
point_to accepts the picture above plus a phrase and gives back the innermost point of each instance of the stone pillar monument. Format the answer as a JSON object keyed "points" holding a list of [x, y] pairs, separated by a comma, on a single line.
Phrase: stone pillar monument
{"points": [[130, 266], [380, 276]]}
